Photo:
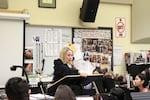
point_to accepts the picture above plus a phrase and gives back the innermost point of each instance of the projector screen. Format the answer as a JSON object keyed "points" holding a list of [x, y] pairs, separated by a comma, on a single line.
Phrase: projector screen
{"points": [[12, 46]]}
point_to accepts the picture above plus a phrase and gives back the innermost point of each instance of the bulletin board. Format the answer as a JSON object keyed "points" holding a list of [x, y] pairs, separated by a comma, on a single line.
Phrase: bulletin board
{"points": [[45, 43], [96, 45]]}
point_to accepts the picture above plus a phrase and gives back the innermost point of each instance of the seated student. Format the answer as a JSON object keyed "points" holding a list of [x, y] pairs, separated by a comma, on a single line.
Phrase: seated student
{"points": [[64, 92], [141, 83], [17, 89], [107, 79], [98, 82], [103, 84]]}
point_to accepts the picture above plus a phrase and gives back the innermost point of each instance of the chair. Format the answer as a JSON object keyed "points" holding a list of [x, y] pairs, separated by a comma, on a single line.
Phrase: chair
{"points": [[108, 84], [140, 95]]}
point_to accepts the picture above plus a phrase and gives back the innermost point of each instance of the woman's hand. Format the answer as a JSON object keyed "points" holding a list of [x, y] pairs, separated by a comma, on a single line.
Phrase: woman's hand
{"points": [[83, 74], [72, 63]]}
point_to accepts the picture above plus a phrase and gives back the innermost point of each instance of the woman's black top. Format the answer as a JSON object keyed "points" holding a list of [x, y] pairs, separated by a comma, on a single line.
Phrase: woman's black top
{"points": [[61, 70]]}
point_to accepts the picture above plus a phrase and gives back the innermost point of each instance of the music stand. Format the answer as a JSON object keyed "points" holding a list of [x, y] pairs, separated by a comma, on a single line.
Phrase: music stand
{"points": [[76, 82]]}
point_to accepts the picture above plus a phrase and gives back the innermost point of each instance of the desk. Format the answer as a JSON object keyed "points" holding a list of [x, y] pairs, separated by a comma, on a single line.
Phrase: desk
{"points": [[41, 97], [35, 79], [2, 94], [140, 95], [76, 82]]}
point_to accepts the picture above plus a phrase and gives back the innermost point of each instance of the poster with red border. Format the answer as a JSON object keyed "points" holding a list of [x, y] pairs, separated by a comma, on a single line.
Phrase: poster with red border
{"points": [[120, 28]]}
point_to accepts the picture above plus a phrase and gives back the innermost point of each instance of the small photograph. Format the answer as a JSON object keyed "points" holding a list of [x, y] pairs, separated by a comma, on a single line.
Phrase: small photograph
{"points": [[89, 44], [97, 45], [28, 53], [95, 58], [29, 68], [148, 57]]}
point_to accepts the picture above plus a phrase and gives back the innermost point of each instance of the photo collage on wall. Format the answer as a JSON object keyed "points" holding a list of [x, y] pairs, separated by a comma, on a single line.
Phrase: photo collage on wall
{"points": [[96, 46]]}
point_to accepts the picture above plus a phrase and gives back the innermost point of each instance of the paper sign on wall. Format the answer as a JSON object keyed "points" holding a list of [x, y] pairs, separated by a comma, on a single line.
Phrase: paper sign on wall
{"points": [[120, 27]]}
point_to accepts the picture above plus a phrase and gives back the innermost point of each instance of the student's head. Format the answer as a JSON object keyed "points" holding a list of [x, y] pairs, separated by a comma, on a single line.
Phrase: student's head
{"points": [[140, 80], [17, 89], [118, 92], [147, 73], [64, 92], [66, 55]]}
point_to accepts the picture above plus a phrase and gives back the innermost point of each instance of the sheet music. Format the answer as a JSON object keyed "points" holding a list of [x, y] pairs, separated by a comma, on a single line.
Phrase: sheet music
{"points": [[41, 97], [84, 98], [117, 55]]}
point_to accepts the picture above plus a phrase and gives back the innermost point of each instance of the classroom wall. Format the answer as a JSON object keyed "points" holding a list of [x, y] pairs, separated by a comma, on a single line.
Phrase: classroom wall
{"points": [[67, 12]]}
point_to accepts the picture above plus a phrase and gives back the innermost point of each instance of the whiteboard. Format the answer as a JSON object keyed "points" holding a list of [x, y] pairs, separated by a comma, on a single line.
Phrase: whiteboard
{"points": [[11, 43], [50, 40]]}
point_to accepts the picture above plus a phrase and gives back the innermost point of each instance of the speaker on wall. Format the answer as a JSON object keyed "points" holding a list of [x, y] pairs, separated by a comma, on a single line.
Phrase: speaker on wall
{"points": [[88, 10]]}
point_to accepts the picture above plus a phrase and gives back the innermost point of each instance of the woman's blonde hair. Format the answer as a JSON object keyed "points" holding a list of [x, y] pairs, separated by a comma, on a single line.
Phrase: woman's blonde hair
{"points": [[63, 53]]}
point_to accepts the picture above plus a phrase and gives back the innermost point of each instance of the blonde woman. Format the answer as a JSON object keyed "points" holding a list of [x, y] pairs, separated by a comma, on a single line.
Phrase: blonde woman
{"points": [[64, 65]]}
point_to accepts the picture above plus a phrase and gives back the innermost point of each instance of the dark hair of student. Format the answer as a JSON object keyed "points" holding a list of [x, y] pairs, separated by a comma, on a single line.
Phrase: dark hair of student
{"points": [[118, 92], [147, 73], [143, 77], [17, 89], [64, 92]]}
